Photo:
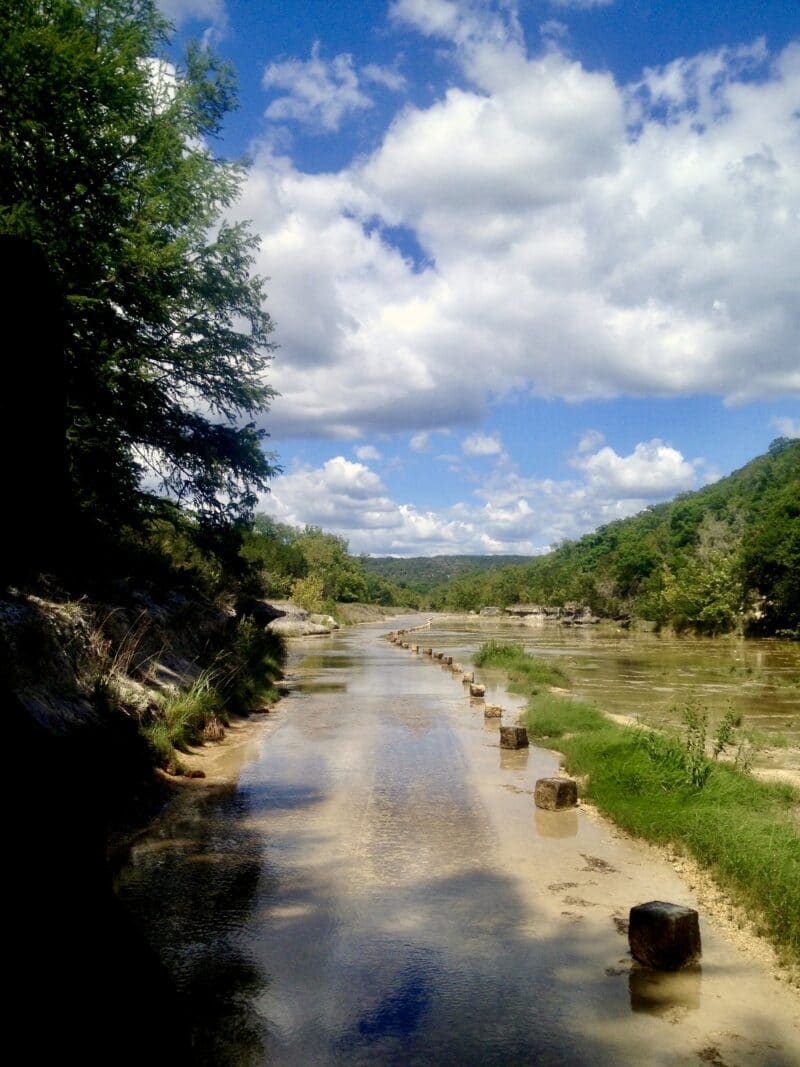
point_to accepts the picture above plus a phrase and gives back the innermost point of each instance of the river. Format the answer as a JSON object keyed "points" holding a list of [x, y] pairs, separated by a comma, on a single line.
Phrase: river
{"points": [[377, 887]]}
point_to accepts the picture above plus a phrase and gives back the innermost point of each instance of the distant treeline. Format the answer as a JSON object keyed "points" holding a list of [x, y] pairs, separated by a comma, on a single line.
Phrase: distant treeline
{"points": [[723, 558], [423, 573]]}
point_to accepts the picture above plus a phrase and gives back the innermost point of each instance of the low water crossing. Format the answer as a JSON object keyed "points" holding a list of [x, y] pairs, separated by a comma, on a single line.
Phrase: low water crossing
{"points": [[377, 887]]}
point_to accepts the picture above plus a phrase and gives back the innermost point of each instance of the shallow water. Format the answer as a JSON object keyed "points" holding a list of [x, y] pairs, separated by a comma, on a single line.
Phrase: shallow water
{"points": [[650, 677], [379, 888], [648, 674]]}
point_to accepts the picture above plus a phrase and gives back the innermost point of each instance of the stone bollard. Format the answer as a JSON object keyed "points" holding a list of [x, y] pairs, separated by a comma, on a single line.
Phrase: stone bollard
{"points": [[664, 936], [415, 648], [438, 655], [427, 651], [553, 794], [476, 689], [469, 678], [492, 711], [457, 668], [513, 737], [447, 660]]}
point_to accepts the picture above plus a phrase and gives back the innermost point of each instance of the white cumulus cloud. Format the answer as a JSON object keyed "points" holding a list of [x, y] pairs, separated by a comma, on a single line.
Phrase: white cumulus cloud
{"points": [[653, 470], [319, 92], [509, 512], [581, 238], [481, 444], [212, 12]]}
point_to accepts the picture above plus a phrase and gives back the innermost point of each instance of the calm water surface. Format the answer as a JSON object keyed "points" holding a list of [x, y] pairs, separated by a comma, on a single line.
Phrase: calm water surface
{"points": [[378, 888]]}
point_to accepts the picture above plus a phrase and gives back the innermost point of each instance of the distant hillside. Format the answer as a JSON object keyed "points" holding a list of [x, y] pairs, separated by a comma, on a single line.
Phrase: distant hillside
{"points": [[725, 557], [422, 573]]}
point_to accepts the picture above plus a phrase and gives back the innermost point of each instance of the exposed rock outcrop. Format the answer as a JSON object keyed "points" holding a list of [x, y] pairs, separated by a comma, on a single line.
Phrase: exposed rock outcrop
{"points": [[294, 621], [569, 615]]}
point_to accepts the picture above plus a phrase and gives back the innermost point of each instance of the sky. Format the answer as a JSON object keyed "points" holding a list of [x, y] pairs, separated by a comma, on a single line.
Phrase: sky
{"points": [[533, 266]]}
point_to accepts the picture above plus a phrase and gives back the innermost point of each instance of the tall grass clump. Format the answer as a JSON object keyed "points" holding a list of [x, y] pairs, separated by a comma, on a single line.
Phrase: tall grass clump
{"points": [[243, 676], [249, 667], [527, 673]]}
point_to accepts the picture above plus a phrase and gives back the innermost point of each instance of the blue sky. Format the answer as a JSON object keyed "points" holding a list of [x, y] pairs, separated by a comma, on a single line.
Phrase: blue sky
{"points": [[532, 265]]}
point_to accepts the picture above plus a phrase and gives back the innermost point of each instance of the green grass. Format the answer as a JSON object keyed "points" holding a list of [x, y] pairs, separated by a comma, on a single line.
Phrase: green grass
{"points": [[527, 674], [183, 715], [551, 717], [249, 668], [661, 787], [742, 829], [242, 678]]}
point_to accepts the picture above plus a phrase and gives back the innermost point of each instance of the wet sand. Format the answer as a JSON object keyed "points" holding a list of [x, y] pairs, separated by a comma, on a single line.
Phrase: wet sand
{"points": [[378, 887]]}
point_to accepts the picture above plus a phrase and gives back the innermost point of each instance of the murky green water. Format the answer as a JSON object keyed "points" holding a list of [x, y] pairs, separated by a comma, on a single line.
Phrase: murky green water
{"points": [[378, 888], [652, 676]]}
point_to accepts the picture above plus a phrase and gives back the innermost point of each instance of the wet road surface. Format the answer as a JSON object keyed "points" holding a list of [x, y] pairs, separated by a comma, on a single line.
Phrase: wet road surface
{"points": [[378, 888]]}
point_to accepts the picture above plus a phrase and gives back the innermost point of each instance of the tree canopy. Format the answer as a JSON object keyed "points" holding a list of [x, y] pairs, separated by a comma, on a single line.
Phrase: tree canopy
{"points": [[107, 167], [722, 558]]}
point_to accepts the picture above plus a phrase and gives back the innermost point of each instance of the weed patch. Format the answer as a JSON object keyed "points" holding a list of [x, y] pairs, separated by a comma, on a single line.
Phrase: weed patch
{"points": [[526, 673], [670, 788], [242, 676]]}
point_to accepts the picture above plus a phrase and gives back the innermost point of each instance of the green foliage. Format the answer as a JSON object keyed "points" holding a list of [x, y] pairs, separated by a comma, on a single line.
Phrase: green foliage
{"points": [[527, 673], [314, 568], [422, 574], [724, 558], [705, 595], [106, 165], [327, 558], [249, 667], [308, 593], [272, 549], [698, 767], [185, 713], [243, 674], [726, 732], [657, 786], [771, 547]]}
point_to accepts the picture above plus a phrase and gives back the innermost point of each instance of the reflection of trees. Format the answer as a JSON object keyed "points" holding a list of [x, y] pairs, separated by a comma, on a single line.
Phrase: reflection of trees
{"points": [[192, 887]]}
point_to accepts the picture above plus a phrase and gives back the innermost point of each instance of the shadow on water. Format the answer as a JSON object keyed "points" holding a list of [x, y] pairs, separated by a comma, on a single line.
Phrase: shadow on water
{"points": [[320, 661], [192, 886], [474, 981], [661, 993], [320, 687]]}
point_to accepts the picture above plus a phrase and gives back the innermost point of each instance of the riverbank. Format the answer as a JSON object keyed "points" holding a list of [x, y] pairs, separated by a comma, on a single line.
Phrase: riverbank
{"points": [[666, 789]]}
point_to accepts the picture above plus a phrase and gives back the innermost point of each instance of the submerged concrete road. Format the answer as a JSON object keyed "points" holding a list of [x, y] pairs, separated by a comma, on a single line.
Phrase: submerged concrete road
{"points": [[378, 888]]}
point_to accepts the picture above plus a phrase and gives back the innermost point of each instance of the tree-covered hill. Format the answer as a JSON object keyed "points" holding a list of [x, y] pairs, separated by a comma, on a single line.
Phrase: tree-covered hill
{"points": [[422, 573], [722, 558]]}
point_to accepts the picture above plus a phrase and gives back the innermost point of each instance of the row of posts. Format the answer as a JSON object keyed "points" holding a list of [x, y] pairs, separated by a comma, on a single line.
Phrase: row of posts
{"points": [[661, 935]]}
